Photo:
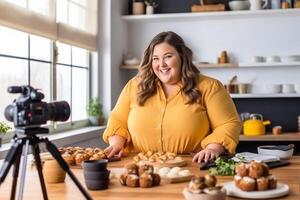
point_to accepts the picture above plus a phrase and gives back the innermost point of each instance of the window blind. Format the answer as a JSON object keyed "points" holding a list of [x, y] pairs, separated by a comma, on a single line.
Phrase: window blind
{"points": [[69, 21]]}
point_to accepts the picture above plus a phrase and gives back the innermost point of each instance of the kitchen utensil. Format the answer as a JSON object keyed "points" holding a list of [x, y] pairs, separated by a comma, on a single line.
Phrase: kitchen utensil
{"points": [[255, 125]]}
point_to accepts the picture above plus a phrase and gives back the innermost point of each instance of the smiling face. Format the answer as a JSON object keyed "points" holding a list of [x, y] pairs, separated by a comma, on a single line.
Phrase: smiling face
{"points": [[166, 63]]}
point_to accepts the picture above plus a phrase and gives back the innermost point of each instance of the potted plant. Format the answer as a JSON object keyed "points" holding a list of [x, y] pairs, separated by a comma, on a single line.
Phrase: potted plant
{"points": [[94, 111], [150, 5], [3, 129]]}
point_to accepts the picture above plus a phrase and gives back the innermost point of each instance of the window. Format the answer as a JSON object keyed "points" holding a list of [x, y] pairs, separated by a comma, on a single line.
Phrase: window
{"points": [[26, 59], [72, 78], [46, 44]]}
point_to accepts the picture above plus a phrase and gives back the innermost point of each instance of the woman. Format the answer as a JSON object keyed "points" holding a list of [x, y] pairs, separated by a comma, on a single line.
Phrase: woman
{"points": [[170, 107]]}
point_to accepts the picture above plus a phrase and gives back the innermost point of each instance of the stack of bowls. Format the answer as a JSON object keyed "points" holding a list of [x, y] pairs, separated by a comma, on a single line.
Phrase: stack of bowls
{"points": [[96, 175]]}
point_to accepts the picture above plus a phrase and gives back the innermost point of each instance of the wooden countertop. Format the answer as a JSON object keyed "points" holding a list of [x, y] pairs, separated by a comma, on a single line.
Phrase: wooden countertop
{"points": [[270, 137], [63, 191]]}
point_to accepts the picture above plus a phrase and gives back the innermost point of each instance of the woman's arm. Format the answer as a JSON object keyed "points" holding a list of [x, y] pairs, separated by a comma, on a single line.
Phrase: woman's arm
{"points": [[116, 134], [224, 121]]}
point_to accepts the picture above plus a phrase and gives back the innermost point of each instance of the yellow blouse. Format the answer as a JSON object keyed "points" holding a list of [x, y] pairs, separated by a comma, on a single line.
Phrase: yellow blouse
{"points": [[170, 125]]}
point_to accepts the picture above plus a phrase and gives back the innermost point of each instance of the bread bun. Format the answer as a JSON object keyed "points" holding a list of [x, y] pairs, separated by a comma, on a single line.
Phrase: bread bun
{"points": [[255, 170], [237, 180], [247, 184], [145, 180], [132, 180], [262, 183], [145, 168], [155, 179], [272, 182], [210, 180], [242, 169], [131, 168]]}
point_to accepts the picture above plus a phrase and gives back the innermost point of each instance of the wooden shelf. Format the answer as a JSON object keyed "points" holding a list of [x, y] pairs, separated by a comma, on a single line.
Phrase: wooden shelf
{"points": [[215, 65], [293, 137], [129, 66], [233, 15], [266, 64], [232, 65]]}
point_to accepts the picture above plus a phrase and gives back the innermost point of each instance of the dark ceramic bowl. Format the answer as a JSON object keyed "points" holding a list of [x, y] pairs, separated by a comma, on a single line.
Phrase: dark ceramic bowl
{"points": [[96, 184], [95, 165], [93, 175]]}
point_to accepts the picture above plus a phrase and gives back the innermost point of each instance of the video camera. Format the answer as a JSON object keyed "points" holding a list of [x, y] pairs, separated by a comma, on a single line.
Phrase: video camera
{"points": [[30, 111]]}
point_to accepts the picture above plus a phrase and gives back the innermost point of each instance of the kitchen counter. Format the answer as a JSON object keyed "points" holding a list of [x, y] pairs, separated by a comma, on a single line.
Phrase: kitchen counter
{"points": [[270, 137], [288, 174]]}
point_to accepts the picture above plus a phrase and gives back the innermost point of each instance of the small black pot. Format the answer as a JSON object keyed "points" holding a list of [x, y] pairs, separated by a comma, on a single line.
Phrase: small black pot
{"points": [[95, 165], [93, 175], [96, 175], [96, 184]]}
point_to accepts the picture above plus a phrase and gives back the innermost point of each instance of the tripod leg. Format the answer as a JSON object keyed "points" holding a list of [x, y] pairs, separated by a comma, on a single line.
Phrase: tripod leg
{"points": [[9, 160], [23, 172], [37, 158], [55, 153], [16, 173], [13, 157]]}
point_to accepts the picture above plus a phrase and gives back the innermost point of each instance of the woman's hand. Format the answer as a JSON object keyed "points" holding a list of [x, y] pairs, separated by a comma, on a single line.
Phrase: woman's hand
{"points": [[211, 151], [116, 146]]}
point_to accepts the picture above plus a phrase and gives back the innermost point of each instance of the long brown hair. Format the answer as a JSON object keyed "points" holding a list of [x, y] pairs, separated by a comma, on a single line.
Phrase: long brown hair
{"points": [[189, 72]]}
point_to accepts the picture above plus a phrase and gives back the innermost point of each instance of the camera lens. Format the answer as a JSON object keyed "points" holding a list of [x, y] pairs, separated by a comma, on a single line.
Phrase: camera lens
{"points": [[9, 113], [59, 111]]}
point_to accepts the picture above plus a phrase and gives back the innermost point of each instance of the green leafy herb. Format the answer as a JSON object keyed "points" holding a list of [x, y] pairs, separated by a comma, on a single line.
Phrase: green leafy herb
{"points": [[223, 167]]}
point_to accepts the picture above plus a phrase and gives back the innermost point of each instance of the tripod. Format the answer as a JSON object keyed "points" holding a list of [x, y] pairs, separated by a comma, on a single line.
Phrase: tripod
{"points": [[27, 137]]}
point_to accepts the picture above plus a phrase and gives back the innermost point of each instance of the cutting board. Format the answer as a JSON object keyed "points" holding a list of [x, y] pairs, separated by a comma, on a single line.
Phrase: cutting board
{"points": [[168, 163], [178, 179], [208, 8]]}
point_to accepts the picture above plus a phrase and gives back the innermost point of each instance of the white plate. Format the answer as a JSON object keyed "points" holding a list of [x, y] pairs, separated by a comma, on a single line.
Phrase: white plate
{"points": [[232, 190]]}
